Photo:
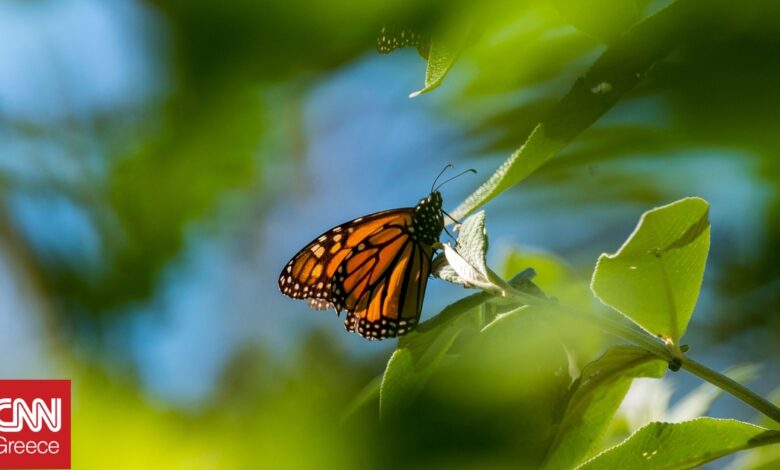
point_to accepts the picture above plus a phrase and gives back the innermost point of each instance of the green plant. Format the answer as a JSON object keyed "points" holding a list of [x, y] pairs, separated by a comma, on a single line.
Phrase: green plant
{"points": [[653, 280]]}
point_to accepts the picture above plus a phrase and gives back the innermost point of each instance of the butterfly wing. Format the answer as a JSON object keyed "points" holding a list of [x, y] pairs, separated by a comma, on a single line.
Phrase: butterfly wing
{"points": [[384, 286], [309, 274], [371, 267]]}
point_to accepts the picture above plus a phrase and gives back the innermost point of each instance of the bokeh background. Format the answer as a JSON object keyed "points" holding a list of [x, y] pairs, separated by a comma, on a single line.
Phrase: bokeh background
{"points": [[161, 161]]}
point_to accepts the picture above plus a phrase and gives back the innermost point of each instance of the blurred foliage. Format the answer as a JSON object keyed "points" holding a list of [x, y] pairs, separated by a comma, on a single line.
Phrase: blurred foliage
{"points": [[487, 353], [172, 164], [716, 90], [486, 403], [260, 416], [234, 72], [595, 398], [172, 161]]}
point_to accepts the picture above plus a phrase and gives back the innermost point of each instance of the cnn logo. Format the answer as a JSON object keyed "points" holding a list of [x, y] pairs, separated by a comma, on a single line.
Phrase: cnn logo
{"points": [[34, 416], [35, 424]]}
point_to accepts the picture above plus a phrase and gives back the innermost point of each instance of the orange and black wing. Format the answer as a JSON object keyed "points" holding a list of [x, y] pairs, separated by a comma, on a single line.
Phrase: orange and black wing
{"points": [[309, 274], [382, 285], [371, 266]]}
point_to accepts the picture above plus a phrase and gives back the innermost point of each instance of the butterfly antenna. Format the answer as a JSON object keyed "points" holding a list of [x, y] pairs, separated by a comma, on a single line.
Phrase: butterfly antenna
{"points": [[449, 165], [470, 170], [448, 233], [451, 217]]}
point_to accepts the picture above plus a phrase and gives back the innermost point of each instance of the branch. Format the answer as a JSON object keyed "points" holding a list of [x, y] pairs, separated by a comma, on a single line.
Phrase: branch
{"points": [[629, 333], [735, 388]]}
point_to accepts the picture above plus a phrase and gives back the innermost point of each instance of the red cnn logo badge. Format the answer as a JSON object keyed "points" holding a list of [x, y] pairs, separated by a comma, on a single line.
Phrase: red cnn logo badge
{"points": [[34, 424]]}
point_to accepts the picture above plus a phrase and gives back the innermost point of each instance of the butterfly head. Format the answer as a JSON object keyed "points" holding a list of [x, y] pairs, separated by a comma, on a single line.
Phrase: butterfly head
{"points": [[428, 218]]}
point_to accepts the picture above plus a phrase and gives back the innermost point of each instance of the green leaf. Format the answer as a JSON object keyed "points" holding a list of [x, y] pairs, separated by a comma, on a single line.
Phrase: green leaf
{"points": [[536, 150], [459, 271], [425, 347], [444, 50], [442, 268], [655, 277], [515, 374], [765, 458], [441, 57], [583, 338], [399, 382], [421, 351], [682, 445], [595, 400], [555, 275], [505, 317], [447, 316], [624, 64], [465, 265], [429, 347], [473, 241]]}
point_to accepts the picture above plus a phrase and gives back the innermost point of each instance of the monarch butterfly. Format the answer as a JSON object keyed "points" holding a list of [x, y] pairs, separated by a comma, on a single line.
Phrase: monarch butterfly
{"points": [[375, 267]]}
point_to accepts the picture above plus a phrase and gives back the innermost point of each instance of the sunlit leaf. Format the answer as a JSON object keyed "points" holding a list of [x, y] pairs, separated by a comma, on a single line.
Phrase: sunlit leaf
{"points": [[595, 399], [655, 277], [398, 383], [534, 153], [473, 241], [443, 51], [682, 445], [623, 65], [464, 272], [465, 264]]}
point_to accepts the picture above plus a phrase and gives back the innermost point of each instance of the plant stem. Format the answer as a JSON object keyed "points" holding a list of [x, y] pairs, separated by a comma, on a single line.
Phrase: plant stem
{"points": [[622, 330], [735, 388], [670, 353], [644, 340]]}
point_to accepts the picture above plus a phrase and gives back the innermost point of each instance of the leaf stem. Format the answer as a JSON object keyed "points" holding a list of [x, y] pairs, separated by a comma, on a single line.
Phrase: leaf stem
{"points": [[653, 345], [669, 352], [735, 388], [621, 329]]}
